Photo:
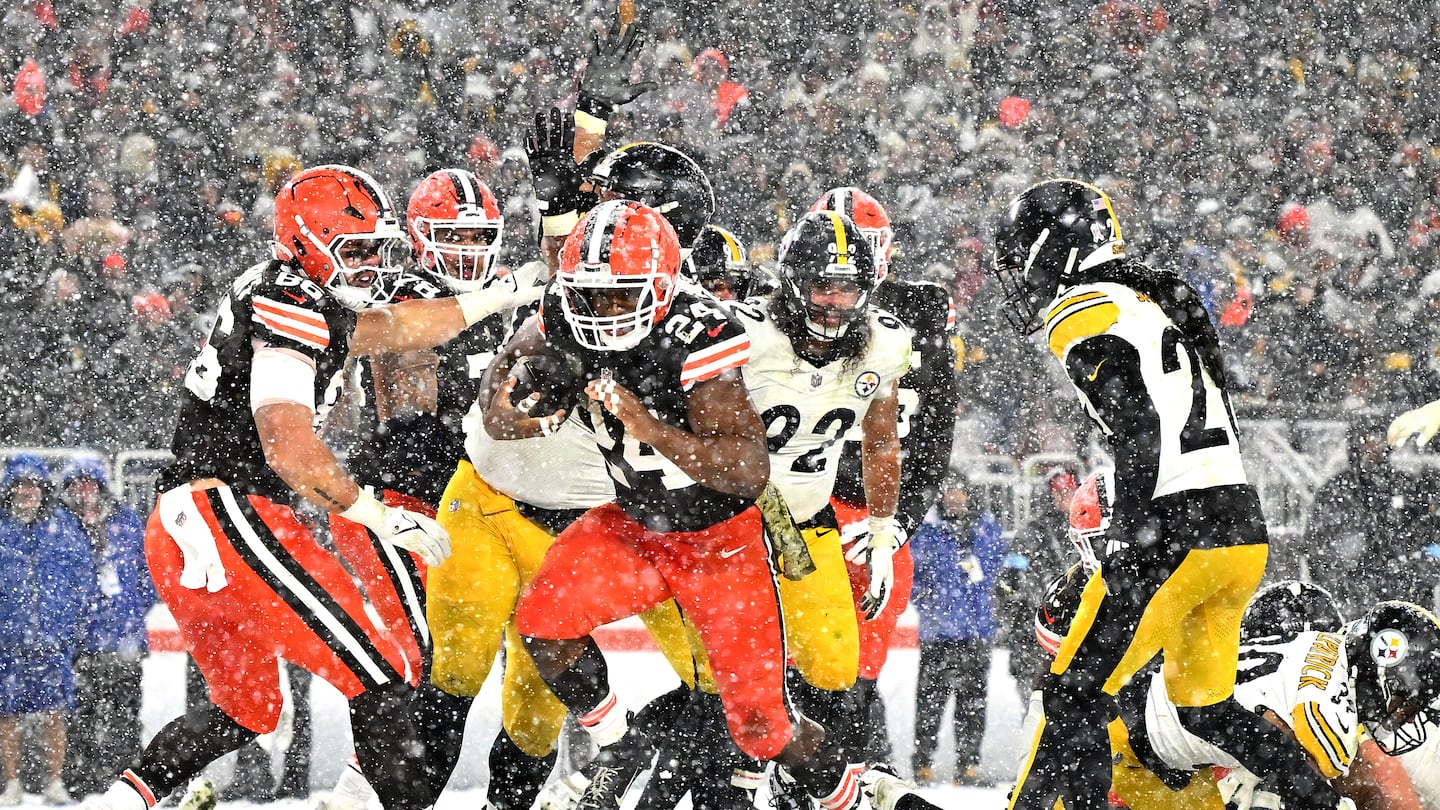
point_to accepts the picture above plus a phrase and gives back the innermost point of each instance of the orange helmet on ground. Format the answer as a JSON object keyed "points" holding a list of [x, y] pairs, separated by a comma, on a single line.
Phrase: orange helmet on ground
{"points": [[337, 225], [618, 273], [455, 228]]}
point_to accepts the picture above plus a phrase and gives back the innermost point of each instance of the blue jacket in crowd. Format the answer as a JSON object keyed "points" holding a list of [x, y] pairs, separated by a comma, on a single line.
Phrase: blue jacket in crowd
{"points": [[47, 575], [123, 592], [952, 604]]}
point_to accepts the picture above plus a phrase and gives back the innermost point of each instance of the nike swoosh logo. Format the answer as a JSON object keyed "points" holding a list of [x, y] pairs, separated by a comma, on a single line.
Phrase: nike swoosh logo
{"points": [[715, 330], [728, 553], [293, 297], [1096, 372]]}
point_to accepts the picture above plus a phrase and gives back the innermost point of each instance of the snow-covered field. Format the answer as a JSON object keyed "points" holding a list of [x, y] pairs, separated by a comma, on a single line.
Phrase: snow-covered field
{"points": [[637, 676]]}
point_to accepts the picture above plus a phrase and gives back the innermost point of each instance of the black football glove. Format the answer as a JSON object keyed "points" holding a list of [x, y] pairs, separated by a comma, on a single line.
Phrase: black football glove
{"points": [[606, 84], [550, 146], [555, 377]]}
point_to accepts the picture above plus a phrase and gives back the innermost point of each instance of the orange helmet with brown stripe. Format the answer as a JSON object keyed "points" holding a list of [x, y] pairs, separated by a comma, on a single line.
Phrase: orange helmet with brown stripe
{"points": [[618, 273], [455, 228], [1047, 237], [337, 224], [869, 216]]}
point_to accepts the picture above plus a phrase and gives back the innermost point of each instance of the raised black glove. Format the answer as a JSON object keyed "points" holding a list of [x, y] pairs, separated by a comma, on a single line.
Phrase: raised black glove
{"points": [[554, 174], [606, 83]]}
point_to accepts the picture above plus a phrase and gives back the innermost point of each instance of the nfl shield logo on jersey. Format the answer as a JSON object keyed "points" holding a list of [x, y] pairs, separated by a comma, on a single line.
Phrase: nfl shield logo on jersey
{"points": [[1389, 647], [866, 383], [817, 380]]}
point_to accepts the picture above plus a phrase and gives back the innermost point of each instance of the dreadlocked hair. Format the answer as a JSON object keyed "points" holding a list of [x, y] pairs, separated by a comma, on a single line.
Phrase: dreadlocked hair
{"points": [[790, 319], [1177, 299]]}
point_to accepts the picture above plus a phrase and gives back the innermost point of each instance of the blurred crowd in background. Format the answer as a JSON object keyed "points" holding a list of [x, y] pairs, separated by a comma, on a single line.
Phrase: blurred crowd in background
{"points": [[1280, 155]]}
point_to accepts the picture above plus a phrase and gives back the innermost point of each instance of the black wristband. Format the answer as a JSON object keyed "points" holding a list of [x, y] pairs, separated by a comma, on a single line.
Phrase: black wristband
{"points": [[596, 107]]}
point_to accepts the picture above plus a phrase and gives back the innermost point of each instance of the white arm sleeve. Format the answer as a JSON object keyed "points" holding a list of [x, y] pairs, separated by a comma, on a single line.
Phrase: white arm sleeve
{"points": [[278, 375]]}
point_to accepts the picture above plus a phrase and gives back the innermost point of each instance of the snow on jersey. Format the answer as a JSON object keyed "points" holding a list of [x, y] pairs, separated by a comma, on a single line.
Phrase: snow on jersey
{"points": [[1305, 681], [1168, 424], [560, 471], [808, 410], [268, 306], [1194, 444], [1423, 767], [696, 341]]}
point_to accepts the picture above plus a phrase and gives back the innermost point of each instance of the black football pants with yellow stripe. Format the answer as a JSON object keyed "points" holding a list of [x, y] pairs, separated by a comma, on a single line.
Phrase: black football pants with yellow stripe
{"points": [[1168, 599]]}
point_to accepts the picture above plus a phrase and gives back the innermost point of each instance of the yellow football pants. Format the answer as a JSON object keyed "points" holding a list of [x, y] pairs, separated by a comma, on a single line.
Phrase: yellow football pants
{"points": [[1194, 618], [1142, 790], [819, 613], [1186, 604], [471, 601]]}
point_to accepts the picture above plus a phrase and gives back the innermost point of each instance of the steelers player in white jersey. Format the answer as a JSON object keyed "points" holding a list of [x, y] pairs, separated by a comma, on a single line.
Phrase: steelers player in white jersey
{"points": [[824, 361], [1187, 543], [1304, 671]]}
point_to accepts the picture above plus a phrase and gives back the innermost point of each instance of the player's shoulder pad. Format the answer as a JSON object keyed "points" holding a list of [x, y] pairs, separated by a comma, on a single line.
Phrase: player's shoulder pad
{"points": [[1081, 312], [549, 317], [890, 342], [292, 308], [411, 285], [753, 315], [714, 340]]}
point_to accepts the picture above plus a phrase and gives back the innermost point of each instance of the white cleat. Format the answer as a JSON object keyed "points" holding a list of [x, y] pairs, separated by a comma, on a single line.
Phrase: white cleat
{"points": [[564, 793], [13, 794], [884, 788], [199, 796], [55, 793]]}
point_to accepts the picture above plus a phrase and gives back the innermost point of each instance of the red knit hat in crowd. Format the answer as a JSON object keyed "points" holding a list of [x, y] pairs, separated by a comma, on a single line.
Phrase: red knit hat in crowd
{"points": [[1292, 216]]}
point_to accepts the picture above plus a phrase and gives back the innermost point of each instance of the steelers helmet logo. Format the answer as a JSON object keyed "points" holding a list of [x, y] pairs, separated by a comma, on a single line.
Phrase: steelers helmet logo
{"points": [[867, 383], [1389, 647]]}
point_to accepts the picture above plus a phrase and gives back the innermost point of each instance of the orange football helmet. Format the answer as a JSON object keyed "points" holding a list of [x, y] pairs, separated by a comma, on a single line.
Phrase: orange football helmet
{"points": [[1090, 510], [455, 229], [869, 216], [338, 225], [618, 273]]}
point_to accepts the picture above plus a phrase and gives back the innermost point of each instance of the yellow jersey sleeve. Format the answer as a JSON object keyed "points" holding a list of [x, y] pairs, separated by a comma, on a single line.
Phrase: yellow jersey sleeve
{"points": [[1075, 317]]}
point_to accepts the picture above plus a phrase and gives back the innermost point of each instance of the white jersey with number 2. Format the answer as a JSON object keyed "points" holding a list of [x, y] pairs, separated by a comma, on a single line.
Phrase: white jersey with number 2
{"points": [[809, 409]]}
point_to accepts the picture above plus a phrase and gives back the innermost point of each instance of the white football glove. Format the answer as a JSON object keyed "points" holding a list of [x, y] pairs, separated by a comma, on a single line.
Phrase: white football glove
{"points": [[1242, 790], [1422, 423], [411, 531], [874, 547], [521, 286]]}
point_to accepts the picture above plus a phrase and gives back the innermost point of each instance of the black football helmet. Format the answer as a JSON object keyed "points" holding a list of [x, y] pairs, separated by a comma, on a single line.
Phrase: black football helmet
{"points": [[1283, 610], [1046, 236], [719, 264], [824, 248], [1394, 655], [1058, 608], [662, 177]]}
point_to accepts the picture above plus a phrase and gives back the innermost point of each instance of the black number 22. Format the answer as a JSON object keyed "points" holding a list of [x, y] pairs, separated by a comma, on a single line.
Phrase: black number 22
{"points": [[1195, 436]]}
